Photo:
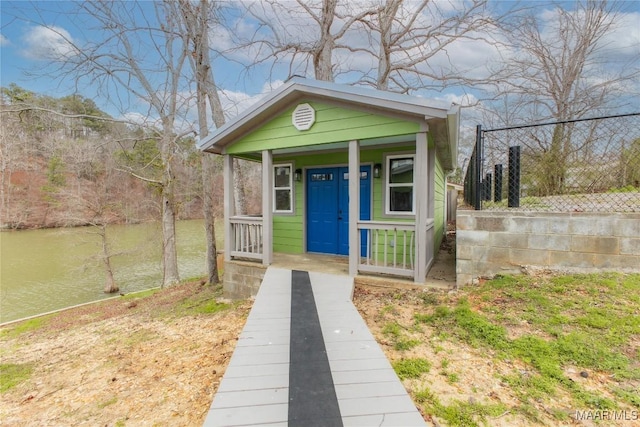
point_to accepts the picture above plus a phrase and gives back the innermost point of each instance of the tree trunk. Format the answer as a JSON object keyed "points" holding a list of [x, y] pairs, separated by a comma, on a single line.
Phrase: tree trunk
{"points": [[170, 256], [170, 274], [239, 194], [322, 56], [386, 15], [209, 218], [196, 21], [109, 283]]}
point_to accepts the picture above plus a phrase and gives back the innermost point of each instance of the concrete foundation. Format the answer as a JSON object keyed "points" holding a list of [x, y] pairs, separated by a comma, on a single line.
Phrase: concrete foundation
{"points": [[242, 279], [490, 243]]}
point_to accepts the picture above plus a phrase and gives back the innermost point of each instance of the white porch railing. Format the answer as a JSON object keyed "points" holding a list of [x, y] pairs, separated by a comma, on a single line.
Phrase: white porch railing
{"points": [[390, 247], [247, 237], [385, 247]]}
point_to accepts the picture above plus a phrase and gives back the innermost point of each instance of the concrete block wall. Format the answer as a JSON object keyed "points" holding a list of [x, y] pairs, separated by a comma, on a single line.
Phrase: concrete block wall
{"points": [[242, 279], [490, 243]]}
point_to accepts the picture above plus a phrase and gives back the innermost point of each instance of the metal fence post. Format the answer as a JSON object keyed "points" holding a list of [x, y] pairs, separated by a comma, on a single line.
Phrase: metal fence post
{"points": [[497, 193], [514, 176], [477, 197], [487, 186]]}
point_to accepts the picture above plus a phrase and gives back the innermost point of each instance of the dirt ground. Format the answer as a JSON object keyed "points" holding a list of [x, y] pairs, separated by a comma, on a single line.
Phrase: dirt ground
{"points": [[157, 361], [475, 372], [466, 374], [123, 362]]}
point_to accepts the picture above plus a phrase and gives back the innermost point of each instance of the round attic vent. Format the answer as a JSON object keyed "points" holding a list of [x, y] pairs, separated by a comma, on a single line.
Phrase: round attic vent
{"points": [[303, 117]]}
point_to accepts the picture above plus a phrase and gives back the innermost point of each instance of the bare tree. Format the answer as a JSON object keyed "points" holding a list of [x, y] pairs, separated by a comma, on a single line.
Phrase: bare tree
{"points": [[408, 37], [141, 56], [557, 67], [96, 208], [304, 33], [389, 44], [556, 73], [196, 19]]}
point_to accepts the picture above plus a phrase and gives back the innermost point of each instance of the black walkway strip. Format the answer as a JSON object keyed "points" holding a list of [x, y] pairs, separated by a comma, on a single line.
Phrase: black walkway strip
{"points": [[312, 395]]}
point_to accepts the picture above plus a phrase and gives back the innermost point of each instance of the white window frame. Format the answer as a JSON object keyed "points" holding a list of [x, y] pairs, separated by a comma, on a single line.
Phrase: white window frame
{"points": [[290, 187], [388, 185]]}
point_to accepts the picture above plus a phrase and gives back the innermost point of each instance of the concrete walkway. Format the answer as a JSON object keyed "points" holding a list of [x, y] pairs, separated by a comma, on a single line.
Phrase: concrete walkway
{"points": [[255, 388]]}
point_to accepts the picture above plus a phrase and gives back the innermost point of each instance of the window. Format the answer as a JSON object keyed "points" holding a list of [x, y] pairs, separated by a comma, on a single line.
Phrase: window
{"points": [[283, 188], [321, 177], [400, 197]]}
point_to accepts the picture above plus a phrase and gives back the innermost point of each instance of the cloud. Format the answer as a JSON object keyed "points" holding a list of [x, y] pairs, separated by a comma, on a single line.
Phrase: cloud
{"points": [[623, 41], [48, 43], [4, 41], [235, 102], [140, 119], [464, 100], [287, 24]]}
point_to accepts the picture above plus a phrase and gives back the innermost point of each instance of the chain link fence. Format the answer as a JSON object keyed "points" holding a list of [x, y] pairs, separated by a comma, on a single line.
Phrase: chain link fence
{"points": [[586, 165]]}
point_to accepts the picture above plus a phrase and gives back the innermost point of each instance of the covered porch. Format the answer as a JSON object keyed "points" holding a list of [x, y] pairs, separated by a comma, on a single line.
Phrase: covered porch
{"points": [[344, 171], [403, 248]]}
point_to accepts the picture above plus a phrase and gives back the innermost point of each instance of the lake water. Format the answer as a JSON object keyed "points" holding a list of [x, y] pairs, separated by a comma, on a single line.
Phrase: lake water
{"points": [[45, 270]]}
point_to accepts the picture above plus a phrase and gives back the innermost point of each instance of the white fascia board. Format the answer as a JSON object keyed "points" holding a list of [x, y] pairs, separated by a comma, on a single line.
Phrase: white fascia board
{"points": [[453, 123]]}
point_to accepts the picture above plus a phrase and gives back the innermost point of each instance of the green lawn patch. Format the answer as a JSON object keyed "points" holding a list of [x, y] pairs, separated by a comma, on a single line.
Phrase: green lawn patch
{"points": [[583, 321], [12, 374], [411, 368], [395, 332], [205, 302], [459, 413], [13, 331]]}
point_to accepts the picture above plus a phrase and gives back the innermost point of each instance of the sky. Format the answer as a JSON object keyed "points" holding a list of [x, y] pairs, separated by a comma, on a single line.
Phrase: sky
{"points": [[27, 46]]}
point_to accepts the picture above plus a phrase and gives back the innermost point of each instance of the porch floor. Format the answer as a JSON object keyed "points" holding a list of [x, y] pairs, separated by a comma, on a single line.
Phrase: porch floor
{"points": [[322, 263], [441, 275], [306, 358]]}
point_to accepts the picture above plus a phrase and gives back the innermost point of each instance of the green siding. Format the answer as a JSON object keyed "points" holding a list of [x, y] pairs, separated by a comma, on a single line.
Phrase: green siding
{"points": [[333, 124], [439, 196], [288, 229]]}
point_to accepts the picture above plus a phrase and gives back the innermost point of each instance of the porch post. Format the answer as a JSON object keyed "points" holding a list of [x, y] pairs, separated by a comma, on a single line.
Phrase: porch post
{"points": [[354, 206], [422, 204], [229, 204], [267, 207]]}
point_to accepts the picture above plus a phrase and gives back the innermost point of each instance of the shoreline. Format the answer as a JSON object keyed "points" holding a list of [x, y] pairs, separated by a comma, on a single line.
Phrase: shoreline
{"points": [[59, 310]]}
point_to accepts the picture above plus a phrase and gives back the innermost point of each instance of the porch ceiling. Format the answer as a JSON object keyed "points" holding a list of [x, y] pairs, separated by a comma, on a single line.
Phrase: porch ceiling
{"points": [[333, 147]]}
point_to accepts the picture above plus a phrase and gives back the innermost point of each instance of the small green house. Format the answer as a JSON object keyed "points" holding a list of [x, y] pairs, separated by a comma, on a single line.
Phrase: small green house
{"points": [[313, 138]]}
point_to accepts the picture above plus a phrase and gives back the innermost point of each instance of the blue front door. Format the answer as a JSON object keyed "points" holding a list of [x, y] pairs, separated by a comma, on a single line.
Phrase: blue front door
{"points": [[328, 208]]}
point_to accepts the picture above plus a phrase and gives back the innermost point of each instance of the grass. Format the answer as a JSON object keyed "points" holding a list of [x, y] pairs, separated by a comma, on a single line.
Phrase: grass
{"points": [[530, 201], [411, 368], [108, 402], [628, 189], [23, 327], [189, 298], [583, 321], [451, 377], [141, 294], [12, 374], [459, 413], [395, 332]]}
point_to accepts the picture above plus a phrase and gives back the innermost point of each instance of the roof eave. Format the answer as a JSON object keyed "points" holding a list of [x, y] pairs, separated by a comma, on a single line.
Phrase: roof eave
{"points": [[285, 96], [445, 135]]}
